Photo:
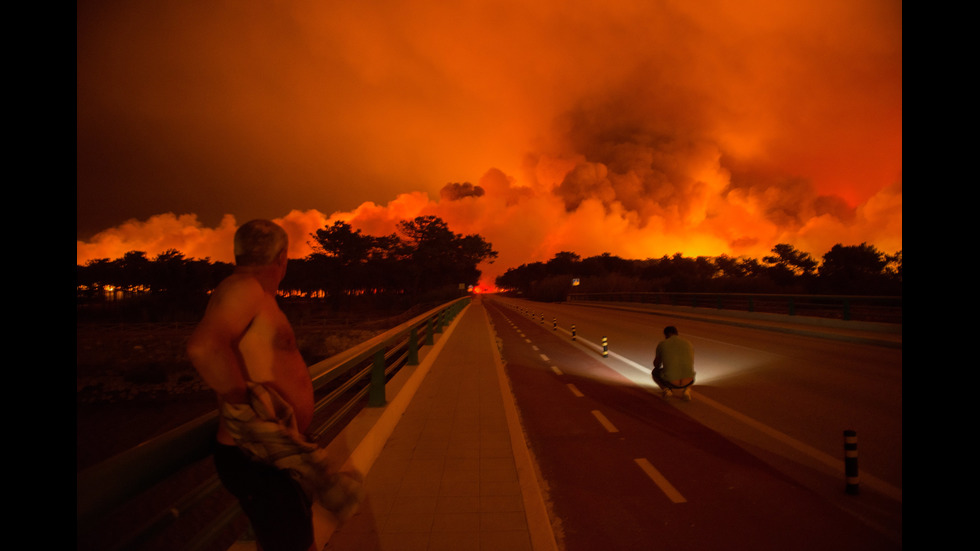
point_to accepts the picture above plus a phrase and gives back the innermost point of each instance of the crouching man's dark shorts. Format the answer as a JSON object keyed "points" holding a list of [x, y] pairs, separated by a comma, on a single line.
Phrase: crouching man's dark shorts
{"points": [[275, 503], [658, 377]]}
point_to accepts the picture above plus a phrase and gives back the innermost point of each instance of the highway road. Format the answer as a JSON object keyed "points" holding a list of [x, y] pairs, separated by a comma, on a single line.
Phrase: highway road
{"points": [[754, 461]]}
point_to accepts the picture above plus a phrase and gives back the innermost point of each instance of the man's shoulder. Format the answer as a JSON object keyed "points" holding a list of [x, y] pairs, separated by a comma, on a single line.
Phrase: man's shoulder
{"points": [[239, 283], [237, 289], [676, 341]]}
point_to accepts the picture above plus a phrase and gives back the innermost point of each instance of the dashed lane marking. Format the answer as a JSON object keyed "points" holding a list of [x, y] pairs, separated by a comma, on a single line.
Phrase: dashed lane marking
{"points": [[666, 487], [603, 421], [832, 462]]}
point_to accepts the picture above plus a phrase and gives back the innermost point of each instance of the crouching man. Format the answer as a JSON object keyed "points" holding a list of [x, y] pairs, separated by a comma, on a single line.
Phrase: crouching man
{"points": [[673, 366]]}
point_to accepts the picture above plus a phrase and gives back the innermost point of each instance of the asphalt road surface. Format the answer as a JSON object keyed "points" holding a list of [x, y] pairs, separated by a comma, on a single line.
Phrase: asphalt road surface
{"points": [[754, 461]]}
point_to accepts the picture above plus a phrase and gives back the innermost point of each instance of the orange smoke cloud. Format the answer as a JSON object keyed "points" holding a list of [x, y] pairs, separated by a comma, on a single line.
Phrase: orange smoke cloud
{"points": [[631, 127], [527, 225], [160, 233]]}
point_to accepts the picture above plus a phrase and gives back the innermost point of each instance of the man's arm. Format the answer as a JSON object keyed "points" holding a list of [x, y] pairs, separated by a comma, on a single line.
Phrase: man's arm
{"points": [[213, 347], [658, 359]]}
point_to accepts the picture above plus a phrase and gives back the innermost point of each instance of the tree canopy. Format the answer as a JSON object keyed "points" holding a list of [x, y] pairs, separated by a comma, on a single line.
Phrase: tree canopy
{"points": [[859, 269], [423, 258]]}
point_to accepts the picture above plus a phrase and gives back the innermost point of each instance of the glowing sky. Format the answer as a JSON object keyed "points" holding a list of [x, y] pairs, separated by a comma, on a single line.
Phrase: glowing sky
{"points": [[636, 127]]}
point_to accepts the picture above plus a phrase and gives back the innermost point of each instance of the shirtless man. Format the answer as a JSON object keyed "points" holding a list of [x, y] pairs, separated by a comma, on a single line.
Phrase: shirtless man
{"points": [[244, 333]]}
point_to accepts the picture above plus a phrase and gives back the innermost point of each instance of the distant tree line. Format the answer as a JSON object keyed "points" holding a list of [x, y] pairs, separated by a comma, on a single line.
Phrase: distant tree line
{"points": [[845, 270], [135, 288], [424, 257], [423, 261]]}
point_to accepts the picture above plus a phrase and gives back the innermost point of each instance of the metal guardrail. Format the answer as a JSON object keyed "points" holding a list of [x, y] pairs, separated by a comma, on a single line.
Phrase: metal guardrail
{"points": [[343, 380], [847, 307]]}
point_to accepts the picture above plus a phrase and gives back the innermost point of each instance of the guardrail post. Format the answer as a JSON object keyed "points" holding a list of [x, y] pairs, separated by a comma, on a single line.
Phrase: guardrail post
{"points": [[376, 392], [430, 332], [413, 347], [847, 309], [792, 307], [851, 462]]}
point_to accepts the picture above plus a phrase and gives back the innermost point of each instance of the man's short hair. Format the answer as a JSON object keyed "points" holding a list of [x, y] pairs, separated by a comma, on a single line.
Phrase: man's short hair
{"points": [[670, 330], [259, 242]]}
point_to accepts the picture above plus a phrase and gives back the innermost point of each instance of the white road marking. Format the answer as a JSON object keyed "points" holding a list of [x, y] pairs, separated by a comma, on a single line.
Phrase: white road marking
{"points": [[666, 487], [603, 421], [575, 390], [833, 462], [837, 464]]}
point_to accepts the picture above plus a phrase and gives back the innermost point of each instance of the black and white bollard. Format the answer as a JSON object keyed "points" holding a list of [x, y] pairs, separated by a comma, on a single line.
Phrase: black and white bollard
{"points": [[573, 332], [851, 462], [605, 347]]}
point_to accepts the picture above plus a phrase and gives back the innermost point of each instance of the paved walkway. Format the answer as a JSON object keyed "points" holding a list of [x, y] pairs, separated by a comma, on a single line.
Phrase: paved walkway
{"points": [[455, 474]]}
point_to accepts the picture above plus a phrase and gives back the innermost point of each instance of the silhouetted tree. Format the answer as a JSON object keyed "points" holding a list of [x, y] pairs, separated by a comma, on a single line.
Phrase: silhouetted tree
{"points": [[351, 261], [855, 269], [168, 272], [739, 275], [796, 262], [563, 263], [894, 267], [521, 278], [440, 257], [606, 263], [134, 270], [729, 267], [91, 278], [790, 267], [302, 276], [344, 243]]}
